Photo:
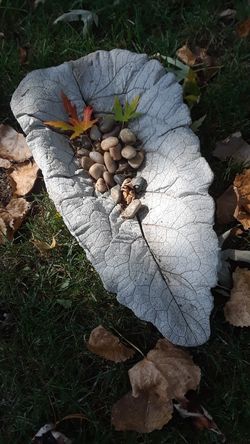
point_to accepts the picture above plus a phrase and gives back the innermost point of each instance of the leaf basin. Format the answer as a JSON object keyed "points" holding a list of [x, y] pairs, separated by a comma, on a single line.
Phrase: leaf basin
{"points": [[163, 263]]}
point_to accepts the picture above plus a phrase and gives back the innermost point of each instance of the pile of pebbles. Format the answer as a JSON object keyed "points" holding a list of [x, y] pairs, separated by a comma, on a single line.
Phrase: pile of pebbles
{"points": [[112, 156]]}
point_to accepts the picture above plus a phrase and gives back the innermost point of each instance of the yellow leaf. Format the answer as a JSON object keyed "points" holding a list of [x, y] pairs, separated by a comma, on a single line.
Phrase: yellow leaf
{"points": [[44, 247]]}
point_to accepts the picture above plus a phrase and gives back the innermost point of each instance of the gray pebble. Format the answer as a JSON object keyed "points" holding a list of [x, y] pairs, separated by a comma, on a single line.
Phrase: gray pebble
{"points": [[132, 209], [139, 183], [106, 124], [82, 152], [128, 152], [96, 157], [107, 143], [122, 166], [127, 136], [137, 160], [85, 142], [95, 133], [116, 194], [109, 162], [108, 177], [114, 133], [97, 170], [86, 162]]}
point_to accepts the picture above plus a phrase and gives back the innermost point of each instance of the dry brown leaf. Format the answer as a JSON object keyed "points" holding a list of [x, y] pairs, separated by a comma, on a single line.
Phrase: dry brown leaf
{"points": [[143, 414], [243, 29], [12, 216], [144, 376], [13, 145], [4, 163], [44, 247], [177, 366], [242, 192], [186, 55], [225, 206], [201, 419], [24, 176], [105, 344], [3, 231], [233, 147], [237, 309]]}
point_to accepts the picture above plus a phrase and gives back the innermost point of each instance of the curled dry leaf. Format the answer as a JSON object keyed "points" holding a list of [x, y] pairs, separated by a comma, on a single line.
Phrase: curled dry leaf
{"points": [[233, 147], [186, 55], [242, 191], [24, 176], [225, 206], [12, 216], [13, 145], [166, 373], [44, 247], [201, 419], [143, 414], [243, 29], [108, 346], [237, 309], [4, 163], [177, 366]]}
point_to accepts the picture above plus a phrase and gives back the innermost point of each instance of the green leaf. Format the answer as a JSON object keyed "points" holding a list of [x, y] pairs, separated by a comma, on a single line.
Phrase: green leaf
{"points": [[129, 111]]}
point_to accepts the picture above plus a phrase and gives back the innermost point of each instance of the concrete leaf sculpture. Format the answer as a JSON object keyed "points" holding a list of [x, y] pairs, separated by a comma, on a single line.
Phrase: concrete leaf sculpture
{"points": [[162, 264]]}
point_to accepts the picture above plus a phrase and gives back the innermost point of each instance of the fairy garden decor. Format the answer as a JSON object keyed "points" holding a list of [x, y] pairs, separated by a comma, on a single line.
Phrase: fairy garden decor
{"points": [[111, 135]]}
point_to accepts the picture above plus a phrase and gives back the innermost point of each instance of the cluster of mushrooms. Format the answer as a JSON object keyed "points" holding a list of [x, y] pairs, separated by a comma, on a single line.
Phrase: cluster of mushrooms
{"points": [[112, 156]]}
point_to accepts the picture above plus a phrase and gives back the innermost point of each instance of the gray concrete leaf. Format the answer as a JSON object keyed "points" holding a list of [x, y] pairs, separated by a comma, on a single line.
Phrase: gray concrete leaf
{"points": [[163, 264]]}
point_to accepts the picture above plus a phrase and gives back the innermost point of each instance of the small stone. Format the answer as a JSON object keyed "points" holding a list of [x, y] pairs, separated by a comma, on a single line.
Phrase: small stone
{"points": [[108, 177], [109, 142], [139, 183], [122, 166], [106, 124], [85, 142], [97, 170], [101, 185], [95, 133], [115, 152], [127, 136], [118, 178], [86, 162], [96, 157], [132, 209], [114, 133], [109, 162], [137, 160], [82, 152], [116, 194], [128, 152]]}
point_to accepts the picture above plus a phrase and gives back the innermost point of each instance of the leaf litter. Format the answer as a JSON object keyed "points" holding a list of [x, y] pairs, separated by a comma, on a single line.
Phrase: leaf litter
{"points": [[108, 346], [237, 309]]}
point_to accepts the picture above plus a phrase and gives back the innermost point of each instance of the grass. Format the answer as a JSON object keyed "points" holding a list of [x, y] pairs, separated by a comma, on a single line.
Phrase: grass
{"points": [[46, 372]]}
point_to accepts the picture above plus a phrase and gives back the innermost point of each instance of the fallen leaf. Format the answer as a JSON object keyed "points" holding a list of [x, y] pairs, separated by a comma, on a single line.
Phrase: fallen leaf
{"points": [[143, 414], [237, 309], [3, 231], [242, 191], [23, 55], [166, 373], [243, 28], [44, 247], [233, 147], [12, 216], [227, 14], [13, 145], [24, 177], [225, 206], [200, 417], [177, 367], [104, 344], [186, 55], [74, 125], [47, 434], [76, 15]]}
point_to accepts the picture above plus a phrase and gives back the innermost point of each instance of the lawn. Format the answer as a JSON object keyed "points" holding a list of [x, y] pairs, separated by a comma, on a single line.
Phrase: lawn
{"points": [[54, 300]]}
